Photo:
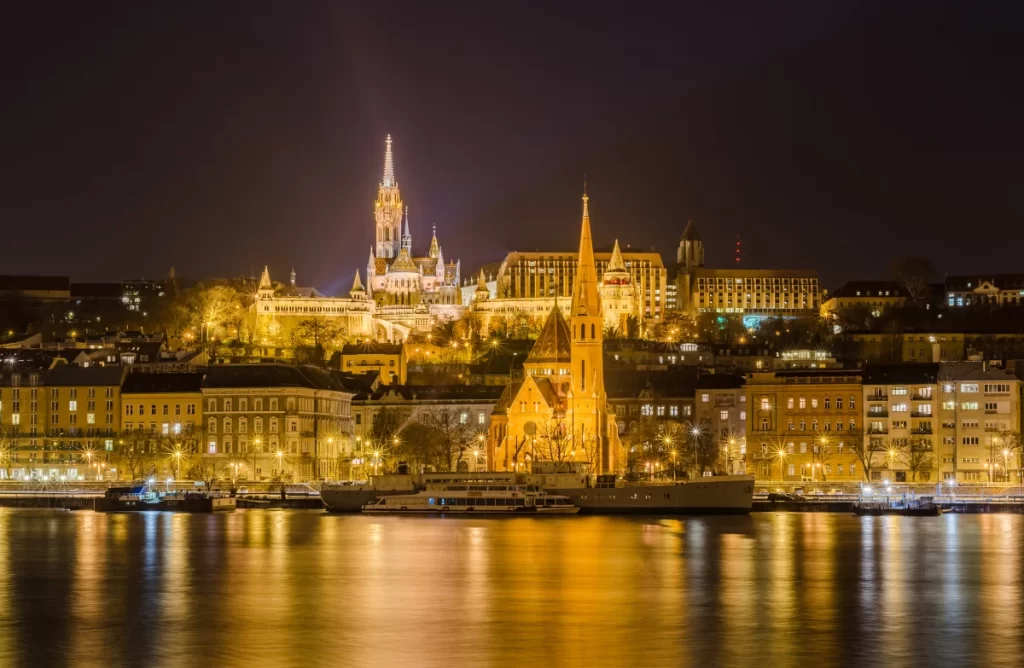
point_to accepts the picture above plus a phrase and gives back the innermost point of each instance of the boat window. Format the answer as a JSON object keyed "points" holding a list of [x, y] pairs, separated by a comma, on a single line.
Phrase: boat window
{"points": [[430, 501]]}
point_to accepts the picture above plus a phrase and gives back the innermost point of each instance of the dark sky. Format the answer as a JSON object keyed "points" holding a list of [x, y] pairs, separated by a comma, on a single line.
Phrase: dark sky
{"points": [[221, 136]]}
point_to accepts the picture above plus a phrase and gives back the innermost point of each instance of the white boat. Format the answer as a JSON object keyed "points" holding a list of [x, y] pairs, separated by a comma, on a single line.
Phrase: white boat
{"points": [[474, 499]]}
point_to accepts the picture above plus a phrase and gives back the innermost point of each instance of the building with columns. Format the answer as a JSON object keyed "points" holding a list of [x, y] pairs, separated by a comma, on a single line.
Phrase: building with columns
{"points": [[559, 410]]}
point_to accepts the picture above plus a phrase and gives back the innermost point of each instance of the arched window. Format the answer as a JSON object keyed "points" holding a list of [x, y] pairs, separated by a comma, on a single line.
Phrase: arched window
{"points": [[592, 335], [243, 425], [227, 404], [243, 404], [257, 425], [227, 425], [211, 405], [273, 425], [583, 332], [257, 404], [583, 375], [290, 404], [211, 425], [273, 404]]}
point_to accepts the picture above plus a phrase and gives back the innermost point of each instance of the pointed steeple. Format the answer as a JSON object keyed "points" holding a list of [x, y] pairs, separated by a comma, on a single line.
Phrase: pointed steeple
{"points": [[357, 291], [389, 165], [265, 283], [407, 235], [584, 295], [435, 248], [616, 263]]}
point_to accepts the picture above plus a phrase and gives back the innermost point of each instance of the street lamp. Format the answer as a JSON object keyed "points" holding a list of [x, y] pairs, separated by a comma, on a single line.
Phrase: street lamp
{"points": [[280, 463], [256, 443]]}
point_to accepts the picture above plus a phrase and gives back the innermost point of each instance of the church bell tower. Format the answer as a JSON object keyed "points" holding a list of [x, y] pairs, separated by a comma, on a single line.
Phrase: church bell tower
{"points": [[387, 210]]}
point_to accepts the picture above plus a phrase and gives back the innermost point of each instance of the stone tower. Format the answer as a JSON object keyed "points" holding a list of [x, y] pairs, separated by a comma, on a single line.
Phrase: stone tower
{"points": [[588, 402], [690, 258], [387, 210]]}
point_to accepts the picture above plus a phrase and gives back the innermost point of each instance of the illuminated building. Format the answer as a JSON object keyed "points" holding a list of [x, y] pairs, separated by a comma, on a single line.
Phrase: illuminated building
{"points": [[271, 420], [559, 410], [954, 422], [388, 360], [800, 425], [402, 292], [52, 417], [992, 289], [755, 293]]}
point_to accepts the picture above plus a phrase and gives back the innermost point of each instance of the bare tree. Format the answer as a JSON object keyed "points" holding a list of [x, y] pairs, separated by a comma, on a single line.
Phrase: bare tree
{"points": [[555, 443], [917, 455], [1009, 447], [6, 450], [867, 446], [914, 274], [452, 435]]}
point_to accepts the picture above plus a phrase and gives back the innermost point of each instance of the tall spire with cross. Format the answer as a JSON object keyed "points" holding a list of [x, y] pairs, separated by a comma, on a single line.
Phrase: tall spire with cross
{"points": [[389, 165]]}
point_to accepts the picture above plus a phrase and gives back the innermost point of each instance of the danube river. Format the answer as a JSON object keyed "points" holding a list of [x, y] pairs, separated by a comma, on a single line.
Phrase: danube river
{"points": [[302, 588]]}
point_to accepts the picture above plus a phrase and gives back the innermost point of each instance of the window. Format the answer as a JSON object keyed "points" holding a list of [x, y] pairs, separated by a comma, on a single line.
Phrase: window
{"points": [[853, 402], [481, 418], [166, 409], [803, 425], [257, 404], [839, 403], [991, 406], [705, 398], [211, 405], [853, 469], [789, 402], [190, 409], [227, 425], [899, 408], [814, 402], [227, 404], [647, 409], [72, 405], [899, 391], [997, 388], [463, 417], [243, 405], [723, 415], [839, 425], [765, 404], [243, 425], [90, 418], [969, 424], [661, 411], [969, 440], [257, 424], [273, 404], [969, 405], [828, 403], [177, 409], [968, 387], [743, 416], [673, 411], [814, 425], [803, 402]]}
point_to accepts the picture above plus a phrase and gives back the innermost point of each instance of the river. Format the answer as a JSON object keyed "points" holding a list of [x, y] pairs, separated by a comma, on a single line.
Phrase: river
{"points": [[303, 588]]}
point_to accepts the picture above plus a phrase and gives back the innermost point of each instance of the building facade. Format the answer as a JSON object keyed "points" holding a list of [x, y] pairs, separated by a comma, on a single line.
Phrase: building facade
{"points": [[276, 421], [388, 360], [802, 425], [58, 422]]}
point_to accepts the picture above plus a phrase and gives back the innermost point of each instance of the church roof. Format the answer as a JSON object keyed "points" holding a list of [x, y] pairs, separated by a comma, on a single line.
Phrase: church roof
{"points": [[553, 344], [427, 264], [450, 272], [404, 263], [690, 232]]}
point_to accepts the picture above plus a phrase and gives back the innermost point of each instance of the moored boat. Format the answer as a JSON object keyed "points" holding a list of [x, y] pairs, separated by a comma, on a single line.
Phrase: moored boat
{"points": [[478, 499], [139, 499]]}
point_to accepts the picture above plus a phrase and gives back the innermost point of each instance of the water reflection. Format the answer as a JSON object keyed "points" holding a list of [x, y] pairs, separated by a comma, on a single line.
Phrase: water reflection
{"points": [[285, 588]]}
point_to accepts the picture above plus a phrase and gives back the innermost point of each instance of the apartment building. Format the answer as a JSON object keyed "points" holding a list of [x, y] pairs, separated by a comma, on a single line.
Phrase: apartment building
{"points": [[800, 424]]}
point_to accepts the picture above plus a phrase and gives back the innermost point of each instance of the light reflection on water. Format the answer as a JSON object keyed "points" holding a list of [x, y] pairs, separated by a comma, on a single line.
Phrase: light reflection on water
{"points": [[287, 588]]}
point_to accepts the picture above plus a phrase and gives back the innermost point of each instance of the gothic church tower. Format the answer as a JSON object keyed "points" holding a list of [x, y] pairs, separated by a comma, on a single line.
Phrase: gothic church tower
{"points": [[387, 210], [588, 402]]}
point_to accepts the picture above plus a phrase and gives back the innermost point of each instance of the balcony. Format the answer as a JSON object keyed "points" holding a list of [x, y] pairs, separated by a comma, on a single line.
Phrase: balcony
{"points": [[878, 396], [921, 431], [921, 397], [920, 414], [878, 430], [872, 412]]}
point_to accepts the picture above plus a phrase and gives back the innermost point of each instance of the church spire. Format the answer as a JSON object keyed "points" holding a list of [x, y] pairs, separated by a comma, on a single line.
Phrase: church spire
{"points": [[407, 235], [357, 291], [389, 165], [435, 248], [265, 283], [584, 296]]}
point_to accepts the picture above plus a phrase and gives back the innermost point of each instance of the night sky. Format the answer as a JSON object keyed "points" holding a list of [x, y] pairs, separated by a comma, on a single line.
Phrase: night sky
{"points": [[221, 136]]}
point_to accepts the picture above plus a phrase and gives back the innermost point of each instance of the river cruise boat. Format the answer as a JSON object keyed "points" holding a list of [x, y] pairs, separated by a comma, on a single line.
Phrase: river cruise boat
{"points": [[479, 499]]}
